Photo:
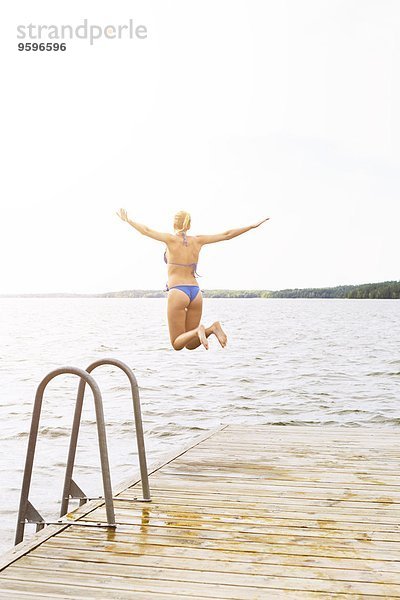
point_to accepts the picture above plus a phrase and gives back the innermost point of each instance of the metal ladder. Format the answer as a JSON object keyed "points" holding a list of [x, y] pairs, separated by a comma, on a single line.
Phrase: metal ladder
{"points": [[27, 512]]}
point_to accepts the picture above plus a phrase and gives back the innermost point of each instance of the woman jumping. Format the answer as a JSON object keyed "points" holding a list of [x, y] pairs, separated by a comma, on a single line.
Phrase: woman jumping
{"points": [[185, 300]]}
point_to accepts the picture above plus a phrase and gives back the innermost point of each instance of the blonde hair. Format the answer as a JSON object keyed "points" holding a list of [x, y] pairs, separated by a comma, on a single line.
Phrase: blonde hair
{"points": [[182, 221]]}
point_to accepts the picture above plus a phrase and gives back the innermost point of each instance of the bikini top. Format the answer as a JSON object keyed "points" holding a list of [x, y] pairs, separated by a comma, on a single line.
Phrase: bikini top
{"points": [[193, 265]]}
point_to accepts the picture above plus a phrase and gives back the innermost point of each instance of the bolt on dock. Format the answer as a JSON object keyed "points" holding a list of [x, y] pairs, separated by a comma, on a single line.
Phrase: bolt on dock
{"points": [[266, 512]]}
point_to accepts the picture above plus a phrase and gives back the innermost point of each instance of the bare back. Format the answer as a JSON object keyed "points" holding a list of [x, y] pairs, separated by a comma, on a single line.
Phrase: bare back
{"points": [[183, 258]]}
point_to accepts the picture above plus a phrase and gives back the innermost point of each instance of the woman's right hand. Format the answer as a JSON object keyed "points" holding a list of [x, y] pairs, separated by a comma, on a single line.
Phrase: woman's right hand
{"points": [[260, 222], [122, 214]]}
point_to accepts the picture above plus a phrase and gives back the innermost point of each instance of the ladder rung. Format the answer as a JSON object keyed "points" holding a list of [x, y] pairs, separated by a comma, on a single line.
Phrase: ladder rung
{"points": [[102, 498], [80, 523]]}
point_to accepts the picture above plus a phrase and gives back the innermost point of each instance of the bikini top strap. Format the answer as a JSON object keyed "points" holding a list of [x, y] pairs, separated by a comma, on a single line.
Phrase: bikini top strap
{"points": [[193, 265]]}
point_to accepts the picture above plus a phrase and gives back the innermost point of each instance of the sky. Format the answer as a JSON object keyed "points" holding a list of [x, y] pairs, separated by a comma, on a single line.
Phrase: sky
{"points": [[232, 110]]}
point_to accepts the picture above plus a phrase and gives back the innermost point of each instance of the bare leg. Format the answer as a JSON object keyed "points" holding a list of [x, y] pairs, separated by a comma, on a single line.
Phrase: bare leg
{"points": [[195, 343], [215, 329], [198, 335], [193, 316], [184, 323], [183, 330]]}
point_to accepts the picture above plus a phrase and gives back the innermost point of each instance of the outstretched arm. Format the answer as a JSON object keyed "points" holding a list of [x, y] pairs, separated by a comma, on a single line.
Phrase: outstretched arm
{"points": [[143, 229], [227, 235]]}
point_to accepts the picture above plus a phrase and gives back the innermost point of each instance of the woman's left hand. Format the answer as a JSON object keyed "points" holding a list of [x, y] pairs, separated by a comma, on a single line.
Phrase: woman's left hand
{"points": [[122, 214]]}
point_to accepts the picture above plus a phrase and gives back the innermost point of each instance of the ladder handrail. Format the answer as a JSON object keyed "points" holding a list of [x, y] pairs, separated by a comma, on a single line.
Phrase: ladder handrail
{"points": [[68, 481], [25, 507]]}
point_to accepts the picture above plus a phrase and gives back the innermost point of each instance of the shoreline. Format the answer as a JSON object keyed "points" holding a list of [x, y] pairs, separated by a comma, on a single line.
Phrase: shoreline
{"points": [[386, 290]]}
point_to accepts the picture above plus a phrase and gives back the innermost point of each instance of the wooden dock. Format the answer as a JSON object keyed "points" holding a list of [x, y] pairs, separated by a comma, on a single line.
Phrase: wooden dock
{"points": [[268, 512]]}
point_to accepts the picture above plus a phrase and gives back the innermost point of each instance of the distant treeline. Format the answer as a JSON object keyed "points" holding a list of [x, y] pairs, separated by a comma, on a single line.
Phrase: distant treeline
{"points": [[134, 294], [384, 290]]}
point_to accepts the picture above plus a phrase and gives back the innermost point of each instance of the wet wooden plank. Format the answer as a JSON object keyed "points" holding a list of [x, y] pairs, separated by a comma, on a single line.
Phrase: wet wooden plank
{"points": [[279, 474], [161, 546], [208, 583], [225, 562], [253, 462], [246, 543], [46, 590], [321, 430], [293, 494], [223, 504], [135, 543], [282, 512], [318, 528], [16, 589], [258, 488]]}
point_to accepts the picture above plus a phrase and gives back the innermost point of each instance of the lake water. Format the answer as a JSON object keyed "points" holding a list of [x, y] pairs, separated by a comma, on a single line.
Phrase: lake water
{"points": [[302, 361]]}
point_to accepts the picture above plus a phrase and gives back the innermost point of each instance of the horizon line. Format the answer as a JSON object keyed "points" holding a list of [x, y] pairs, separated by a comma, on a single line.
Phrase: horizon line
{"points": [[158, 290]]}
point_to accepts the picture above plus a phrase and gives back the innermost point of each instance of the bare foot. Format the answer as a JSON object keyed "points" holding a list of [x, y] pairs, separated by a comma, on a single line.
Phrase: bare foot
{"points": [[201, 332], [219, 333]]}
